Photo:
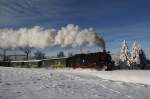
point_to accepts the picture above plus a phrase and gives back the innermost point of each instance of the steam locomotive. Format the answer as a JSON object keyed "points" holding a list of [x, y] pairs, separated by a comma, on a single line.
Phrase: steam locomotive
{"points": [[97, 60]]}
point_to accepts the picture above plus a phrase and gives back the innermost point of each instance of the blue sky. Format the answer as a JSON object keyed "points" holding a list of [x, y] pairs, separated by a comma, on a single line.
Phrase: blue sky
{"points": [[116, 20]]}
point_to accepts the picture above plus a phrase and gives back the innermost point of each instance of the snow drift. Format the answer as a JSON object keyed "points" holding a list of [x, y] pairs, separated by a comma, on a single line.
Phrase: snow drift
{"points": [[38, 37]]}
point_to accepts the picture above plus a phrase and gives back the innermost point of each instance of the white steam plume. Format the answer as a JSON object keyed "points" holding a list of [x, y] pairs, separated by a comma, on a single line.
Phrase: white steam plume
{"points": [[38, 37], [72, 36], [35, 37]]}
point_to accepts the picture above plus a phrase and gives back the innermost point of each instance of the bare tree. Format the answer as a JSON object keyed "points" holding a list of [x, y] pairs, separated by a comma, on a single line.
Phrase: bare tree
{"points": [[60, 54], [5, 57], [4, 54], [27, 51], [39, 55]]}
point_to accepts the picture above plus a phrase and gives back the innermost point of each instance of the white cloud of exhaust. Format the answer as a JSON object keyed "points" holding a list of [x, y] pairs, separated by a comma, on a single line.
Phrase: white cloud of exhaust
{"points": [[38, 37]]}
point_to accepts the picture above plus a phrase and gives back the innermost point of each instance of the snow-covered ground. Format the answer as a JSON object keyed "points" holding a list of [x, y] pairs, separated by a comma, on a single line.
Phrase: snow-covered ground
{"points": [[21, 83]]}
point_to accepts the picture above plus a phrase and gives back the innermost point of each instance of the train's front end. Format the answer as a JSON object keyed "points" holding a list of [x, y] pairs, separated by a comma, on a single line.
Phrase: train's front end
{"points": [[105, 60]]}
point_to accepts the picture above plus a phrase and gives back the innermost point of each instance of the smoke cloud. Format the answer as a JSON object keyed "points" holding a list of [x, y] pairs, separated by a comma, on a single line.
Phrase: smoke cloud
{"points": [[38, 37]]}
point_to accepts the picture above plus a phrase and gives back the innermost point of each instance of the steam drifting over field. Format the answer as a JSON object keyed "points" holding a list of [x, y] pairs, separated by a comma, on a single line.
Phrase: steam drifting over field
{"points": [[38, 37]]}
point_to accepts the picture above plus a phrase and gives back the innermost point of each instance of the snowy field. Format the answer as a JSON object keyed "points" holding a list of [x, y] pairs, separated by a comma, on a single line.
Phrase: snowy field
{"points": [[21, 83]]}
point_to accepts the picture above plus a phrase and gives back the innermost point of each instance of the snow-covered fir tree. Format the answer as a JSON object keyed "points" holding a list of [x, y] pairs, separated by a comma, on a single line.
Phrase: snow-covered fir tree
{"points": [[124, 54], [135, 52], [134, 58]]}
